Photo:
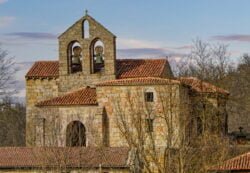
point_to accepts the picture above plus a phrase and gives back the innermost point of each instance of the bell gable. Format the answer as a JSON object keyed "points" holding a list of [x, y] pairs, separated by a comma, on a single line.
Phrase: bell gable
{"points": [[87, 48]]}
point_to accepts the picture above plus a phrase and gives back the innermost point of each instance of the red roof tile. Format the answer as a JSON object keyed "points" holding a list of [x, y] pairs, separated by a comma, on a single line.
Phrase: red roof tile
{"points": [[241, 162], [83, 96], [133, 68], [76, 157], [201, 86], [139, 81], [126, 68], [44, 69]]}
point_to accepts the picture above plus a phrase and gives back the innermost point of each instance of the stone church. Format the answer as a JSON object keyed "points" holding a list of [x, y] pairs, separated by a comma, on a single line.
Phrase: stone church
{"points": [[89, 99]]}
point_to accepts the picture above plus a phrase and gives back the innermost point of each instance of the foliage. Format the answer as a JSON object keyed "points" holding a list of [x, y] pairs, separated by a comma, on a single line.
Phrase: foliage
{"points": [[12, 123]]}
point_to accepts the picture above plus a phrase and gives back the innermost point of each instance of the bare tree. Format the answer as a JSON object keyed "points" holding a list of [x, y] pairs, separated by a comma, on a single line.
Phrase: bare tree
{"points": [[183, 152], [206, 62], [12, 114], [7, 71], [211, 63], [171, 145], [238, 83]]}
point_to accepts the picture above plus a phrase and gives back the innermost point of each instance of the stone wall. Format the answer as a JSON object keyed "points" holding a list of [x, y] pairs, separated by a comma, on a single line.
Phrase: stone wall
{"points": [[186, 115], [167, 73], [37, 90], [237, 119], [172, 100], [211, 109], [40, 89], [79, 80], [58, 118], [128, 101], [70, 81]]}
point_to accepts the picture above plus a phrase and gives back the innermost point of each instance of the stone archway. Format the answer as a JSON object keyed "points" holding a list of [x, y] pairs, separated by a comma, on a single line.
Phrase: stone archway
{"points": [[75, 134]]}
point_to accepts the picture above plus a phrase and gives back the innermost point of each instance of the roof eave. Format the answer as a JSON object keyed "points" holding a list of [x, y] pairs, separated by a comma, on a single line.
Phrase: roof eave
{"points": [[67, 105]]}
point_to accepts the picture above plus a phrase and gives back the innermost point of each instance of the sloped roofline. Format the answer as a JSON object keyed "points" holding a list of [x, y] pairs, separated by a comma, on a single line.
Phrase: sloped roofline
{"points": [[139, 81], [85, 96], [78, 157], [53, 67], [86, 17], [240, 162], [202, 86]]}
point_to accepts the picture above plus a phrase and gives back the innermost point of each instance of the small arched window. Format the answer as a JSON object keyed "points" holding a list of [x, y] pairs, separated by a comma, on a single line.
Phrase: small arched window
{"points": [[85, 29], [97, 56], [74, 57]]}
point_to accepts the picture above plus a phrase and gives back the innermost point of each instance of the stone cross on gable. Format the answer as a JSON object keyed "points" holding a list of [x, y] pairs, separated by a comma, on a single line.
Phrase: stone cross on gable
{"points": [[86, 12]]}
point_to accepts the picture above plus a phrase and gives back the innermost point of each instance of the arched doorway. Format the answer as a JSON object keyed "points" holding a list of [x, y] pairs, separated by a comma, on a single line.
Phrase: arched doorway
{"points": [[75, 134]]}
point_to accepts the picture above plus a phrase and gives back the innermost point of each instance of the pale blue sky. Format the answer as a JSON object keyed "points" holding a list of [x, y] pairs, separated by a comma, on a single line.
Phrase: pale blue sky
{"points": [[150, 28]]}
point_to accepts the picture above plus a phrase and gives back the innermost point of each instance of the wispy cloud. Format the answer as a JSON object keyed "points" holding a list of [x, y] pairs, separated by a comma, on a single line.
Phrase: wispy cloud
{"points": [[148, 53], [3, 1], [20, 80], [6, 20], [134, 43], [134, 48], [185, 47], [26, 46], [139, 52], [24, 39], [233, 37], [33, 35], [175, 55]]}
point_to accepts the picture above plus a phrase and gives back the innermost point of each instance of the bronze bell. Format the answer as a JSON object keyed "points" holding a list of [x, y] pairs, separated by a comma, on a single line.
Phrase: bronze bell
{"points": [[99, 54], [76, 60], [99, 59], [77, 55]]}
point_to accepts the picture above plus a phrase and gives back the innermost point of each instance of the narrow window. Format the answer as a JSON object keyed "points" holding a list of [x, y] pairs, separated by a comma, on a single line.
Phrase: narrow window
{"points": [[199, 126], [40, 130], [149, 125], [105, 128], [149, 96], [85, 29]]}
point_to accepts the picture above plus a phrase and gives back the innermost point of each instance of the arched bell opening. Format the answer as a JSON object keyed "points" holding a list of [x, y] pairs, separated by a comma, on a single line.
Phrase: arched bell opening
{"points": [[97, 56], [74, 57]]}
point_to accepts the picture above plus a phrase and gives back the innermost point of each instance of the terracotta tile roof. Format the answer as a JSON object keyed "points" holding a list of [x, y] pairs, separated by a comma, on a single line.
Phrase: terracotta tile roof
{"points": [[139, 81], [201, 86], [83, 96], [74, 157], [44, 69], [241, 162], [133, 68], [126, 68]]}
